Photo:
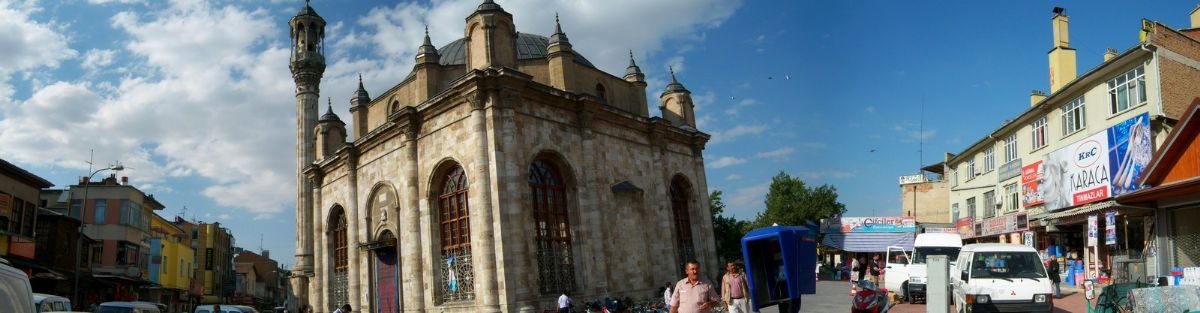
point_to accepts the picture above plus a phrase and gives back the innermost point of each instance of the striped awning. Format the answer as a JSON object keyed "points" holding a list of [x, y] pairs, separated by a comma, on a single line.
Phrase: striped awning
{"points": [[868, 242]]}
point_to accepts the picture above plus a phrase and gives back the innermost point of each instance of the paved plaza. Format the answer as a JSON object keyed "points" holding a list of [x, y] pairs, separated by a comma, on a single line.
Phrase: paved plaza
{"points": [[833, 296]]}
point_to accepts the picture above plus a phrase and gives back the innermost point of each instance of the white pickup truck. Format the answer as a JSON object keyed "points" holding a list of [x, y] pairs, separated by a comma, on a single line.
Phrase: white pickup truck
{"points": [[905, 274]]}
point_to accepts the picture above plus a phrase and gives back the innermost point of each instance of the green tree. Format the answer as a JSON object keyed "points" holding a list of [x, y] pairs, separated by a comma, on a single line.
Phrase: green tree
{"points": [[728, 231], [792, 202]]}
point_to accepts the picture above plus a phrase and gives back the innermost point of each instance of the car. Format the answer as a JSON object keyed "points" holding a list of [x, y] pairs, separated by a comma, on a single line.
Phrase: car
{"points": [[50, 303], [15, 290], [161, 307], [225, 308], [1001, 277], [127, 307]]}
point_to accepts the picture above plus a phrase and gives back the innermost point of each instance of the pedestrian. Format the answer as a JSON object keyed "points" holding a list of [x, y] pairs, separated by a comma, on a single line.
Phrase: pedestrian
{"points": [[1055, 278], [734, 289], [860, 267], [216, 308], [306, 309], [564, 304], [693, 295], [344, 309], [667, 296], [876, 269]]}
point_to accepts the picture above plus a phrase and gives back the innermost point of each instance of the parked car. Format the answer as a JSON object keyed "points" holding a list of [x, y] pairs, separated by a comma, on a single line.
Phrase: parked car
{"points": [[50, 303], [161, 307], [15, 290], [128, 307], [225, 308], [1000, 277]]}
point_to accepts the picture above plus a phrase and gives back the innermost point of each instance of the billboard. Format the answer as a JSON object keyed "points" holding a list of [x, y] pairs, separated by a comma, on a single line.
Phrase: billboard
{"points": [[966, 227], [1008, 170], [1130, 150], [1077, 174], [1031, 182], [899, 224]]}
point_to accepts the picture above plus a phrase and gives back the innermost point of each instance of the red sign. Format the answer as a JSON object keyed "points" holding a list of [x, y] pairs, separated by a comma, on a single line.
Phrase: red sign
{"points": [[1031, 181], [966, 227], [1091, 195]]}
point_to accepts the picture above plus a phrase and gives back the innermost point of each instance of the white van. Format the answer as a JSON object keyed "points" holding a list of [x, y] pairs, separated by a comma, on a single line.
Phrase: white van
{"points": [[51, 303], [15, 290], [1001, 277], [906, 275], [127, 307]]}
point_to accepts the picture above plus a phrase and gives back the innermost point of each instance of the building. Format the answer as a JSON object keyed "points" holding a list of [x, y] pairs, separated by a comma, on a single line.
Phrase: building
{"points": [[1041, 177], [19, 205], [257, 280], [501, 173], [117, 215], [213, 279], [171, 268], [924, 196]]}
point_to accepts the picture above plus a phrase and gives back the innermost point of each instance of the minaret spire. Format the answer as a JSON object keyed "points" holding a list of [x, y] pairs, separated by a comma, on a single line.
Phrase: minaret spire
{"points": [[558, 36]]}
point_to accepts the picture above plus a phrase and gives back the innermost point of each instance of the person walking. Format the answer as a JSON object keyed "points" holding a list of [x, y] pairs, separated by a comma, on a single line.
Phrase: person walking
{"points": [[1055, 278], [876, 269], [306, 309], [667, 296], [564, 304], [734, 289], [693, 295], [344, 309], [860, 267]]}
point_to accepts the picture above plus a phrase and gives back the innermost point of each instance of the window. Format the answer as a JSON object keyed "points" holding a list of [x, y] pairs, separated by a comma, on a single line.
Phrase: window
{"points": [[99, 207], [18, 212], [989, 204], [341, 265], [1011, 200], [165, 263], [954, 212], [97, 255], [556, 271], [1010, 148], [1039, 133], [953, 178], [1073, 116], [971, 207], [989, 159], [971, 169], [76, 208], [601, 94], [457, 277], [1127, 90], [682, 218]]}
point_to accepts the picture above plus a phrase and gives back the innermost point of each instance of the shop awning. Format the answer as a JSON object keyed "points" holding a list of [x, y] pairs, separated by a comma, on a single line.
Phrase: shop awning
{"points": [[868, 242], [1080, 210]]}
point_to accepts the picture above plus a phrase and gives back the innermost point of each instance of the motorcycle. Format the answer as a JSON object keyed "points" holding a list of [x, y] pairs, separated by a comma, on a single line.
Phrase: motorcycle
{"points": [[869, 299]]}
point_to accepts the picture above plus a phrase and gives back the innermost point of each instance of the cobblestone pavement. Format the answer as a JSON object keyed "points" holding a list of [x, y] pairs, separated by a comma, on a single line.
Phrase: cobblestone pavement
{"points": [[833, 296]]}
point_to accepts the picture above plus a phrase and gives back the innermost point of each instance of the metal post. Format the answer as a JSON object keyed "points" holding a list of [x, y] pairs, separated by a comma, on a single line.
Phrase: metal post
{"points": [[79, 233]]}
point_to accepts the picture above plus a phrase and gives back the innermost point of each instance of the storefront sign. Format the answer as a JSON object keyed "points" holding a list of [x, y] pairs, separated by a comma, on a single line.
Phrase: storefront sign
{"points": [[1078, 173], [966, 227], [900, 224], [1028, 238], [1110, 228], [941, 230], [1092, 231], [912, 179], [1008, 170], [1016, 238], [1130, 152], [1031, 181], [1002, 225]]}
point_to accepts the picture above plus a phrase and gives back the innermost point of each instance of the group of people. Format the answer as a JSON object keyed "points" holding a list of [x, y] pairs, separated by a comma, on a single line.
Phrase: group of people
{"points": [[859, 268], [692, 294]]}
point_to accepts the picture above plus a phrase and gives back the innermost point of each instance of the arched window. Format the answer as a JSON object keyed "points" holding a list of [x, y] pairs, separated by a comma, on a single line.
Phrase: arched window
{"points": [[395, 107], [683, 224], [457, 276], [601, 94], [556, 270], [341, 266]]}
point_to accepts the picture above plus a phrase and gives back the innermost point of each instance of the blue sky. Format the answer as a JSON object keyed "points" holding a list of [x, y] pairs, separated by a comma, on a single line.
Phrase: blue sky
{"points": [[195, 96]]}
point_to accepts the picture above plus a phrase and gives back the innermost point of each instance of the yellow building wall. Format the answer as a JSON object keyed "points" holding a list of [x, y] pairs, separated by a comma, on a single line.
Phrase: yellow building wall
{"points": [[174, 252]]}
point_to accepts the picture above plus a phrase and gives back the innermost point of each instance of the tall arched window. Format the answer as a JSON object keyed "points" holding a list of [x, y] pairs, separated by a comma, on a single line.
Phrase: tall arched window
{"points": [[683, 224], [341, 265], [601, 94], [556, 270], [457, 276]]}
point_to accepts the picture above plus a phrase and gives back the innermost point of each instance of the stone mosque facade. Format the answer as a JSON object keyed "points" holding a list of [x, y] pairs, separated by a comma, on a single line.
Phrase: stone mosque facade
{"points": [[505, 170]]}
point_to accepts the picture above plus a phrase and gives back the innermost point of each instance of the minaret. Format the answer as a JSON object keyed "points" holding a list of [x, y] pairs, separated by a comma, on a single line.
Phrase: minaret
{"points": [[562, 59], [633, 75], [307, 65], [358, 109], [491, 37], [676, 104], [427, 70]]}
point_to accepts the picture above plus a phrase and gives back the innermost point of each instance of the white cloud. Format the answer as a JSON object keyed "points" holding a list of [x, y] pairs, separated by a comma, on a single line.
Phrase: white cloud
{"points": [[29, 44], [813, 145], [822, 174], [723, 162], [744, 103], [870, 109], [745, 203], [913, 132], [223, 216], [736, 131], [733, 177], [97, 58], [777, 153]]}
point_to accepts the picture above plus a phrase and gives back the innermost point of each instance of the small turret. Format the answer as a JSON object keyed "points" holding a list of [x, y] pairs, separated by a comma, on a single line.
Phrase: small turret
{"points": [[427, 70], [358, 109], [676, 104], [633, 75], [562, 59], [491, 37], [331, 133], [427, 53]]}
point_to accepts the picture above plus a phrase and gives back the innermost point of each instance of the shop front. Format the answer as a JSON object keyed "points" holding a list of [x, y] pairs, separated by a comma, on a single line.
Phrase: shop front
{"points": [[1008, 228], [864, 237]]}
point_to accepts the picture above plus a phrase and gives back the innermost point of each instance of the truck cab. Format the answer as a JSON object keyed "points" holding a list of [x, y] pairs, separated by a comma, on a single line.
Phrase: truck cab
{"points": [[906, 274]]}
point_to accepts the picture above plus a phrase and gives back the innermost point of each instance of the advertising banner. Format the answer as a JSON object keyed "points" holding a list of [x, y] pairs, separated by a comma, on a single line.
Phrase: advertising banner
{"points": [[1031, 182], [899, 224], [1001, 225], [1028, 239], [1008, 170], [1110, 228], [1129, 152], [941, 230], [966, 227], [912, 179], [1077, 174], [1092, 231]]}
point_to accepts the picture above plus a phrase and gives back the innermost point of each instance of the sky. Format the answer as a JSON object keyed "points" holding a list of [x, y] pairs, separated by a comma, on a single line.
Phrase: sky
{"points": [[195, 98]]}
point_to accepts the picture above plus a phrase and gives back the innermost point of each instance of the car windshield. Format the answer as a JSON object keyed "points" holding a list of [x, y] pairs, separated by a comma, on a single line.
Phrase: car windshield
{"points": [[920, 253], [109, 309], [1004, 265]]}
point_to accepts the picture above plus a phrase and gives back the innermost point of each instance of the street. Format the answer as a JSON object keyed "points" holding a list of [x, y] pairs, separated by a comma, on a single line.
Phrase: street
{"points": [[834, 296]]}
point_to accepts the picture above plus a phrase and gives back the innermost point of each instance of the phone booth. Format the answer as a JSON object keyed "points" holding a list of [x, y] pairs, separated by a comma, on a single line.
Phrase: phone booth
{"points": [[781, 265]]}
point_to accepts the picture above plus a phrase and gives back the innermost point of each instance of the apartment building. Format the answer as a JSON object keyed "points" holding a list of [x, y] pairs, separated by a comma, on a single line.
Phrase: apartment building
{"points": [[172, 268]]}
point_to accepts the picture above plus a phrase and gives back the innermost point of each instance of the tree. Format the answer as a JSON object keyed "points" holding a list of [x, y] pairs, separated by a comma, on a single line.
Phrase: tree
{"points": [[727, 231], [791, 202]]}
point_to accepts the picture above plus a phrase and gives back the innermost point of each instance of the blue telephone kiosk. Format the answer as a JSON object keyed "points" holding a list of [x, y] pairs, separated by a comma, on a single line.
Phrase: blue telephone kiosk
{"points": [[780, 266]]}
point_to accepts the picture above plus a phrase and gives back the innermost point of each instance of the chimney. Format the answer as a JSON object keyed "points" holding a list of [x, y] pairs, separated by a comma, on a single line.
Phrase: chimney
{"points": [[1035, 97], [125, 180], [1195, 17], [266, 254], [1110, 54], [1062, 56], [84, 180]]}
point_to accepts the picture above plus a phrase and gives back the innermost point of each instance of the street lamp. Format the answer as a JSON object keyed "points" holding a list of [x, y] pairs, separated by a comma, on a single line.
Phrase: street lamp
{"points": [[79, 235]]}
